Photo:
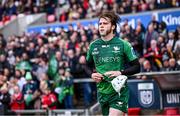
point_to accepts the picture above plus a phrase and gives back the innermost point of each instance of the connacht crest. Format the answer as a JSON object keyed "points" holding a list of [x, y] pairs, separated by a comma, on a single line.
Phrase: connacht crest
{"points": [[145, 94]]}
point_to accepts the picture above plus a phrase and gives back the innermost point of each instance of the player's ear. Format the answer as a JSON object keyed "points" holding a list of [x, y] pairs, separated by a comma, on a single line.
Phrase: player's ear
{"points": [[113, 27]]}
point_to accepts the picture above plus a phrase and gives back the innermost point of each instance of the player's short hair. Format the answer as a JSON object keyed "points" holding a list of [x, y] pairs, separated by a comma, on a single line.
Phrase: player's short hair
{"points": [[114, 18]]}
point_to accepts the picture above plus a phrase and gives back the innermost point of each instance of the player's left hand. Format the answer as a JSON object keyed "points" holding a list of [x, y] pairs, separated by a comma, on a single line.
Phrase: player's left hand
{"points": [[111, 74]]}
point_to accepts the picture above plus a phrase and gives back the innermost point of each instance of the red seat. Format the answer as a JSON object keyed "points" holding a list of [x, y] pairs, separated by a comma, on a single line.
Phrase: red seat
{"points": [[134, 111], [6, 22], [171, 111], [13, 17], [1, 24], [51, 18]]}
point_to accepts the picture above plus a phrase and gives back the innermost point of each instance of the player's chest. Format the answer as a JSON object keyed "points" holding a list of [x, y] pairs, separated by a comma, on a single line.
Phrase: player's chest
{"points": [[107, 50]]}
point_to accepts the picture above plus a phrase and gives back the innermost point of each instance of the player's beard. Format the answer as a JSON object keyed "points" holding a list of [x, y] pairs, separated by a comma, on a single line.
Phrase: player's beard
{"points": [[106, 32]]}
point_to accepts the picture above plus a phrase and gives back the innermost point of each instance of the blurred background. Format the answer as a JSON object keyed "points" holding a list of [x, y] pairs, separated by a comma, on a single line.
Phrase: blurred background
{"points": [[43, 46]]}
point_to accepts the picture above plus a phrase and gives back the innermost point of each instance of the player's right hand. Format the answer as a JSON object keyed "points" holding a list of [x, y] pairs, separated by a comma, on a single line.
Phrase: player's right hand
{"points": [[97, 77]]}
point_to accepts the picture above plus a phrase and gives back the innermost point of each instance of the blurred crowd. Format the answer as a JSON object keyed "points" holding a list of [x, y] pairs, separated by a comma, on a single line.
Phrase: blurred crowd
{"points": [[37, 71], [65, 10]]}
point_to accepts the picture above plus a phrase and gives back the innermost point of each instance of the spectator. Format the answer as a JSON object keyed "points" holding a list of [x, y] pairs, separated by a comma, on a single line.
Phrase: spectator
{"points": [[52, 67], [19, 79], [29, 91], [139, 23], [4, 99], [63, 16], [155, 23], [178, 56], [177, 32], [57, 84], [161, 43], [169, 51], [141, 61], [175, 3], [50, 7], [42, 66], [31, 50], [154, 55], [143, 6], [17, 99], [177, 36], [173, 66], [44, 82], [84, 72], [163, 4], [7, 73], [2, 43], [165, 60], [162, 29], [68, 89], [73, 43], [11, 57], [72, 62], [1, 12], [2, 51], [138, 42], [3, 62], [129, 33], [171, 40], [147, 67], [64, 88], [149, 35], [48, 99], [96, 5]]}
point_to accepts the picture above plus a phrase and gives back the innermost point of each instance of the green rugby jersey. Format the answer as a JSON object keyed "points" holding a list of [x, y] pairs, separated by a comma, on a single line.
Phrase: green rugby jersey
{"points": [[109, 56]]}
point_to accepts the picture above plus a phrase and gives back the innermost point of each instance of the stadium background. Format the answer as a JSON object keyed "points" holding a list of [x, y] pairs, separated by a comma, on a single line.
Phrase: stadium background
{"points": [[43, 42]]}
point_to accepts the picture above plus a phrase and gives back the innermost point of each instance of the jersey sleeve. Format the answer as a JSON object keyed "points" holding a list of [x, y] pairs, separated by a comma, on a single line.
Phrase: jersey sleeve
{"points": [[89, 57], [129, 51]]}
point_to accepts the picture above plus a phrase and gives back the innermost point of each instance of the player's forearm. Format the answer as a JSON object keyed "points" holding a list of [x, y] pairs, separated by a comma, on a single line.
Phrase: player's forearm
{"points": [[90, 64], [135, 68]]}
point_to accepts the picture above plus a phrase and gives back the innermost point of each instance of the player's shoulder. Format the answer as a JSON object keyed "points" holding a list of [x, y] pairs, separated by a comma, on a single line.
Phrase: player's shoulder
{"points": [[95, 42], [120, 40], [124, 42]]}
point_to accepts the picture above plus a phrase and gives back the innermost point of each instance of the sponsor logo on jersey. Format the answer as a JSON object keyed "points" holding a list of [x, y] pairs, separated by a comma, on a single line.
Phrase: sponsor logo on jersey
{"points": [[105, 46], [116, 49], [119, 104], [95, 51], [107, 59]]}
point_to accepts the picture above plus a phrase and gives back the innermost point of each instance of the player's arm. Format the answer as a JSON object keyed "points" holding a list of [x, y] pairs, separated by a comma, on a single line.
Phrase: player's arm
{"points": [[133, 60], [133, 69], [89, 58], [97, 77]]}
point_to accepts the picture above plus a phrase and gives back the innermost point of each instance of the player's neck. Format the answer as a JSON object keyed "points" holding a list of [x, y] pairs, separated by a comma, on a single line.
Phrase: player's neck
{"points": [[107, 37]]}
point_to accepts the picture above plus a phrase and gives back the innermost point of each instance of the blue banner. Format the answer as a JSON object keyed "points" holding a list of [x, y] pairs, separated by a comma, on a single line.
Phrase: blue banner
{"points": [[132, 19], [171, 18]]}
